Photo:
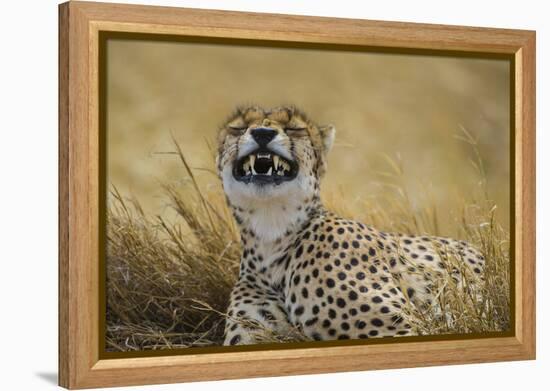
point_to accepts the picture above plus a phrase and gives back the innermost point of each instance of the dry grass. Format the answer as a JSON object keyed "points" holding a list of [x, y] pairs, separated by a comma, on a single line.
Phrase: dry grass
{"points": [[168, 283]]}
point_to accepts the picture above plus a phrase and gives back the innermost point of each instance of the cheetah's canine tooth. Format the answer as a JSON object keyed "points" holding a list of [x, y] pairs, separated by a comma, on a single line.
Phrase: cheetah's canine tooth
{"points": [[252, 161]]}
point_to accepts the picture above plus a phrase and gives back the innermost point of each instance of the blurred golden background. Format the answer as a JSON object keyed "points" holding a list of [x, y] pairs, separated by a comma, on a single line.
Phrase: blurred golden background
{"points": [[410, 108]]}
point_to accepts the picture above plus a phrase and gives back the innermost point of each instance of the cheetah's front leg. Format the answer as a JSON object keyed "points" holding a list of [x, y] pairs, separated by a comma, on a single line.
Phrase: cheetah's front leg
{"points": [[254, 312]]}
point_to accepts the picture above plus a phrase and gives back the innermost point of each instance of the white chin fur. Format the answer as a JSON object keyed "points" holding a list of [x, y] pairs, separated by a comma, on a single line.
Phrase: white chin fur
{"points": [[269, 220]]}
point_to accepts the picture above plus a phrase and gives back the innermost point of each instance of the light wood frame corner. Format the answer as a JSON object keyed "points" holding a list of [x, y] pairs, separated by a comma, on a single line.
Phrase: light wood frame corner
{"points": [[80, 24]]}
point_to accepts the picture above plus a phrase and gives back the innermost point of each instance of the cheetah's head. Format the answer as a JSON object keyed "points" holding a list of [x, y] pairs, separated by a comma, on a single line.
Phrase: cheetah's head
{"points": [[271, 154]]}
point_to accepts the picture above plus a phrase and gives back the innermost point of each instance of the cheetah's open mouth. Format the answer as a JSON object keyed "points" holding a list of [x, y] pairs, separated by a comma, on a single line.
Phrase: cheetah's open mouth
{"points": [[264, 167]]}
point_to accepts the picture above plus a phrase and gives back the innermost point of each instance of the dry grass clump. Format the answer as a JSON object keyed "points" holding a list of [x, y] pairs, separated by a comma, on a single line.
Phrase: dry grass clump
{"points": [[460, 306], [168, 284], [159, 275]]}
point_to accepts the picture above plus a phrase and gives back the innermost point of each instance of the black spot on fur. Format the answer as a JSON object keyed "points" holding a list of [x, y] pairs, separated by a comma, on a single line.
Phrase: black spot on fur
{"points": [[352, 295], [340, 302], [377, 322], [311, 321], [235, 340]]}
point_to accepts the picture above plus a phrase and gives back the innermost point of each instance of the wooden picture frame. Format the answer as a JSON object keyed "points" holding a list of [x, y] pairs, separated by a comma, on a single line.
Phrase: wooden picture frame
{"points": [[81, 364]]}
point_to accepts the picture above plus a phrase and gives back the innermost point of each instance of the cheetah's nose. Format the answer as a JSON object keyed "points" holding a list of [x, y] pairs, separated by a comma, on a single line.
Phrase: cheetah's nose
{"points": [[263, 135]]}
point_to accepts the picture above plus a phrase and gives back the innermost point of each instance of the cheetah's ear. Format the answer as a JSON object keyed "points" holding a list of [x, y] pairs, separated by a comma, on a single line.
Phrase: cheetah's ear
{"points": [[328, 133]]}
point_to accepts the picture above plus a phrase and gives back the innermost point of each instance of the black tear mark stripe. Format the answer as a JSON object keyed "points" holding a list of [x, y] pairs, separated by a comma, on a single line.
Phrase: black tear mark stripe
{"points": [[236, 149]]}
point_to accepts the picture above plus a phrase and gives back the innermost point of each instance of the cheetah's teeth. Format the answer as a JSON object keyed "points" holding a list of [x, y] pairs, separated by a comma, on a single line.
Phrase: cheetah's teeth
{"points": [[274, 164]]}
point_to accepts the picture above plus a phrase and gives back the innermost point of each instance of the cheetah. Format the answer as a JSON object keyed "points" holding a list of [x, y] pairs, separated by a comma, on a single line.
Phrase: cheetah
{"points": [[302, 266]]}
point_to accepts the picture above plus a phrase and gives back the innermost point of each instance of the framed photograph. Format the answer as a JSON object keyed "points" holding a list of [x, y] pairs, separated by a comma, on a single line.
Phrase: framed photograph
{"points": [[247, 195]]}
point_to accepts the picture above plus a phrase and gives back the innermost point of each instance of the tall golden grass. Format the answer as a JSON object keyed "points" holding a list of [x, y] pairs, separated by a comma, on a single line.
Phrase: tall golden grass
{"points": [[168, 283], [378, 102]]}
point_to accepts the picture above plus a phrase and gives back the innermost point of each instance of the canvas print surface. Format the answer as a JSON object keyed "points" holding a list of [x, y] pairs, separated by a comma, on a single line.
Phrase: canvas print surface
{"points": [[273, 194]]}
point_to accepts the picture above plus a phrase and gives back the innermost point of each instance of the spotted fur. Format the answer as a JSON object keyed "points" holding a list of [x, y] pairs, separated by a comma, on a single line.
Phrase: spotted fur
{"points": [[303, 266]]}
